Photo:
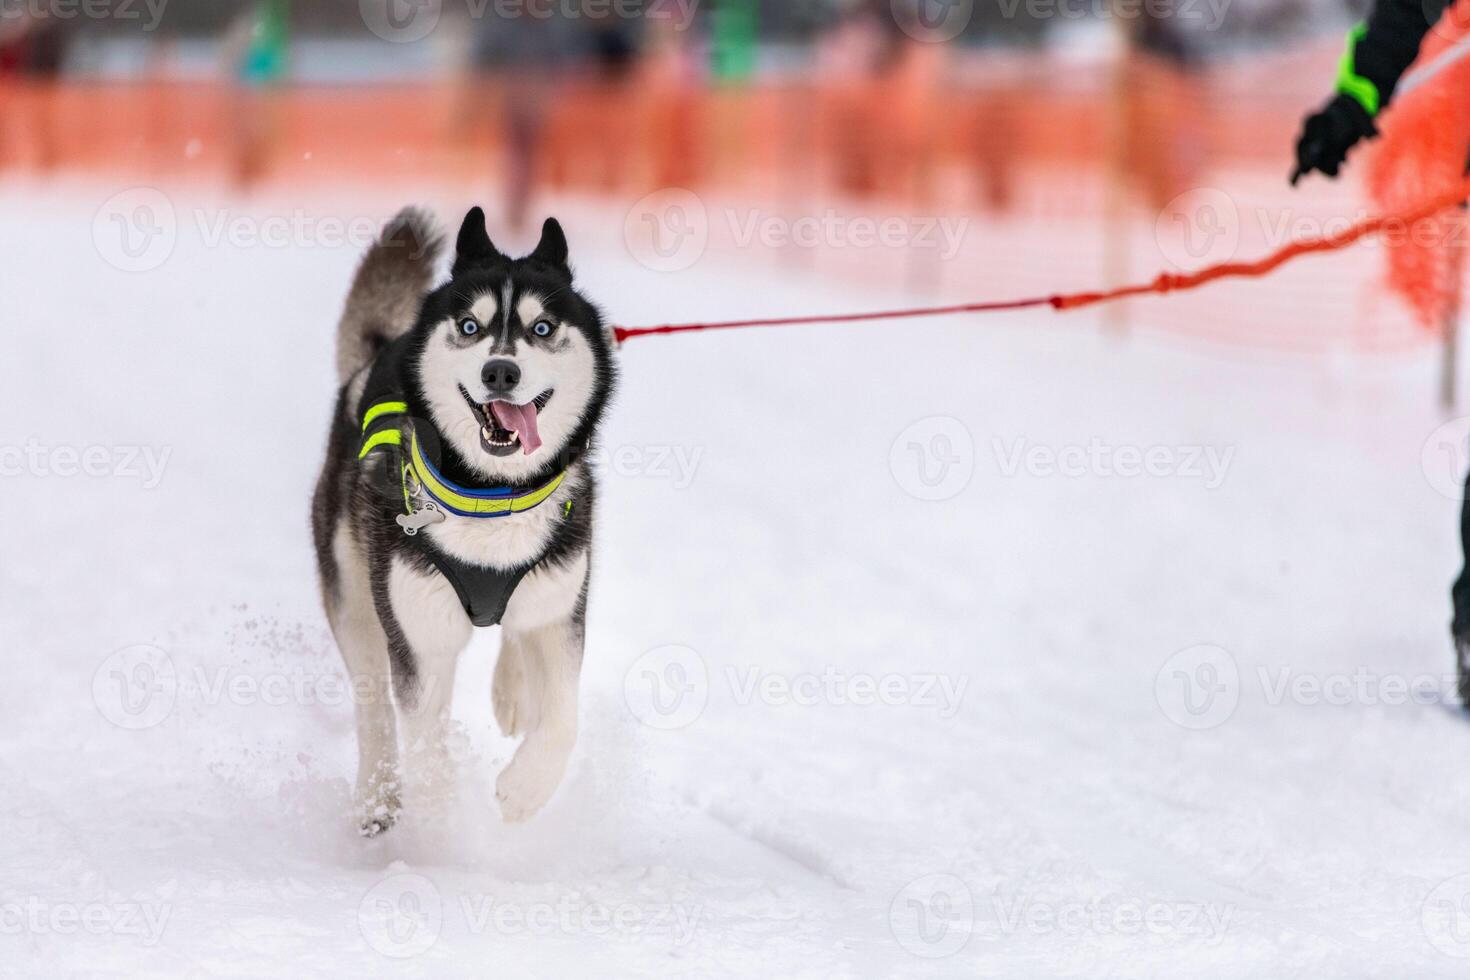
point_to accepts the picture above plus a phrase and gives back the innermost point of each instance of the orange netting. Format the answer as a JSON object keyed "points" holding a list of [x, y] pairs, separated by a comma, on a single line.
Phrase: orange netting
{"points": [[1424, 151]]}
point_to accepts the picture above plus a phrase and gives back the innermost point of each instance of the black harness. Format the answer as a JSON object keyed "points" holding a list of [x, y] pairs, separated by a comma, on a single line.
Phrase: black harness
{"points": [[484, 592], [429, 498]]}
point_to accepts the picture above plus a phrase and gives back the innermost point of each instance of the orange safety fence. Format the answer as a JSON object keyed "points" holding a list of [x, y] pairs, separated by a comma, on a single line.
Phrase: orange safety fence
{"points": [[918, 132], [1058, 176]]}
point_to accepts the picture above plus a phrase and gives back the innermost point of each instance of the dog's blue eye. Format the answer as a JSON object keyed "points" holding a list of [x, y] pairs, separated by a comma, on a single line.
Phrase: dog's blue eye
{"points": [[469, 328], [542, 328]]}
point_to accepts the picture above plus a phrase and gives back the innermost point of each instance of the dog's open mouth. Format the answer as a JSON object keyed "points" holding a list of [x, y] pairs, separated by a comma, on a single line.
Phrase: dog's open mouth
{"points": [[505, 426]]}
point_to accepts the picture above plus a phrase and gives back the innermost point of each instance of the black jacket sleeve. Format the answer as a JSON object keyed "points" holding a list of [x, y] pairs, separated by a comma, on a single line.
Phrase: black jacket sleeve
{"points": [[1384, 51]]}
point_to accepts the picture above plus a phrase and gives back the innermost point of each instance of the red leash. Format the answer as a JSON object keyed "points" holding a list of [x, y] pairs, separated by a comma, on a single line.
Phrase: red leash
{"points": [[1165, 282], [623, 333]]}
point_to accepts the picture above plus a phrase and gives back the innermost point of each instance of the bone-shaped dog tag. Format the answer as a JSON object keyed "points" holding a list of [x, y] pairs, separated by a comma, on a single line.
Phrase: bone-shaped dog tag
{"points": [[413, 523]]}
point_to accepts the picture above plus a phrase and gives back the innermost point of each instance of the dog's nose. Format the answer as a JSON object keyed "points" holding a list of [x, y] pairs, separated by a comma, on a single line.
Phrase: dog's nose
{"points": [[500, 376]]}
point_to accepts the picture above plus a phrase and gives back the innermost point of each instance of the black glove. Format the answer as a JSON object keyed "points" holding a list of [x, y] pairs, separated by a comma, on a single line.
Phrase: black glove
{"points": [[1328, 135]]}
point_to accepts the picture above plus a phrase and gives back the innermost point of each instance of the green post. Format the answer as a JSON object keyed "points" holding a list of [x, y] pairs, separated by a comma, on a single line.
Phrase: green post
{"points": [[733, 30], [270, 38]]}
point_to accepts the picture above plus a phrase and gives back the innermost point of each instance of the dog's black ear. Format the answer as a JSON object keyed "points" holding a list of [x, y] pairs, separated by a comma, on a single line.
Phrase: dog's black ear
{"points": [[473, 247], [553, 247]]}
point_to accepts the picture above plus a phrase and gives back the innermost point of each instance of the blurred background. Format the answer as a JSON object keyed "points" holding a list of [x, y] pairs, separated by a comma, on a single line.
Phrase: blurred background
{"points": [[1081, 142]]}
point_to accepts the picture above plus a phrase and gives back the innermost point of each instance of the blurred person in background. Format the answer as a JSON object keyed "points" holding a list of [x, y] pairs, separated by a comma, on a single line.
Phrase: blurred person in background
{"points": [[671, 77], [918, 66], [1163, 100], [32, 50], [1379, 51], [257, 51], [522, 57], [590, 134], [853, 58]]}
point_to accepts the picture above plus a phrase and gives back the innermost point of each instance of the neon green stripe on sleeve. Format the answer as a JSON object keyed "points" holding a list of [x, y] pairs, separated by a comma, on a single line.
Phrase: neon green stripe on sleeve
{"points": [[1349, 82]]}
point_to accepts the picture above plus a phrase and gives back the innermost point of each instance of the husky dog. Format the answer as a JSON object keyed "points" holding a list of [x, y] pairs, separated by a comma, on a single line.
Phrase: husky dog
{"points": [[456, 493]]}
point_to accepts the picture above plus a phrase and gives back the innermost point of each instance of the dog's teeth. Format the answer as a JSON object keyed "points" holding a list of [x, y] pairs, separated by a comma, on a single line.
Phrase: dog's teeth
{"points": [[490, 437]]}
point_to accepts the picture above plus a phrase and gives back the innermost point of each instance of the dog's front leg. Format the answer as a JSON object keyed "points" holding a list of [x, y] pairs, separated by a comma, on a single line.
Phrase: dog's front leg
{"points": [[427, 629], [550, 659], [364, 649], [515, 711]]}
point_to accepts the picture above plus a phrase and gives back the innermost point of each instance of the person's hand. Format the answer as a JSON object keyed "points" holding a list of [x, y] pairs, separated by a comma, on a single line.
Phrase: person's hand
{"points": [[1328, 135]]}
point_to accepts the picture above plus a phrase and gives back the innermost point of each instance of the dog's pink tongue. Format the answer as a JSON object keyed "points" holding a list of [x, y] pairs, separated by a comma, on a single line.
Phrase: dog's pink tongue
{"points": [[520, 419]]}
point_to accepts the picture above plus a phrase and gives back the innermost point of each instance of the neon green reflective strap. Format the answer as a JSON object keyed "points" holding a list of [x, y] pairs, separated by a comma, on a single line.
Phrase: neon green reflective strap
{"points": [[1349, 82], [388, 437], [381, 409]]}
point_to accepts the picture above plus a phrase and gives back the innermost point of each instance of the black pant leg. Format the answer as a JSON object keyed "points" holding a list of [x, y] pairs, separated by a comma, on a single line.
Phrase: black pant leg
{"points": [[1461, 591]]}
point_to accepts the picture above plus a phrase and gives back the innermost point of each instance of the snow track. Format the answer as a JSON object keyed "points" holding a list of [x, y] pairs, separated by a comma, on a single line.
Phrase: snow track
{"points": [[983, 735]]}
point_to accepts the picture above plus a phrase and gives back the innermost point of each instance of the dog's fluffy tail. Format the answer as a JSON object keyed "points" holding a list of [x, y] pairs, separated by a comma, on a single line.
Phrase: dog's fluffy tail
{"points": [[388, 288]]}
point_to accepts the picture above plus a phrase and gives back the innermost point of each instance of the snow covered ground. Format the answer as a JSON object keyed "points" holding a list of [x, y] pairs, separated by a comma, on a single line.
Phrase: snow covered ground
{"points": [[892, 668]]}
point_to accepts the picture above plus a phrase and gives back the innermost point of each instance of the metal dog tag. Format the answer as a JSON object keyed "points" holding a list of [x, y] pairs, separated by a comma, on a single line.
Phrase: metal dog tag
{"points": [[413, 523]]}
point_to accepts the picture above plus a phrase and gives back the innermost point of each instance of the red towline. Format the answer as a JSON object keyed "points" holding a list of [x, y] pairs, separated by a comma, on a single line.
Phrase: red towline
{"points": [[1164, 282]]}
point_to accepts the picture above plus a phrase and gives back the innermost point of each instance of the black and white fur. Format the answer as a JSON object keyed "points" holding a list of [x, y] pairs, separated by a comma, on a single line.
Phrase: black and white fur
{"points": [[399, 624]]}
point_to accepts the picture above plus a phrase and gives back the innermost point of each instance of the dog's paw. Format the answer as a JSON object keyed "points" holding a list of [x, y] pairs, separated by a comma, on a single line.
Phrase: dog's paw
{"points": [[379, 818], [525, 786], [377, 807], [516, 711], [374, 826]]}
